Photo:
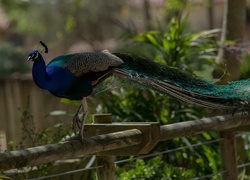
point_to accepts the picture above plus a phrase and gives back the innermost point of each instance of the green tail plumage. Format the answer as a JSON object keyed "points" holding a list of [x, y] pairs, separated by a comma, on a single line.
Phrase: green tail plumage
{"points": [[171, 81]]}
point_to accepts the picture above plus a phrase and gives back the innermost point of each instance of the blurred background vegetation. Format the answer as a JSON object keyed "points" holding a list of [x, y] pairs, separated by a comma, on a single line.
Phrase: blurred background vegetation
{"points": [[185, 34]]}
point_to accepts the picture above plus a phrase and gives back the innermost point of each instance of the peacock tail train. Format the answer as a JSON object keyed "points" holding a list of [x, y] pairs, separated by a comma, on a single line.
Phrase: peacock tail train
{"points": [[188, 88]]}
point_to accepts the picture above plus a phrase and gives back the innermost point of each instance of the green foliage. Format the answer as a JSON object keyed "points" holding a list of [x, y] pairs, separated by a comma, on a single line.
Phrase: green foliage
{"points": [[245, 66], [62, 20], [154, 169], [32, 137], [12, 60], [135, 105], [19, 16], [190, 53], [175, 5], [2, 177], [34, 17], [176, 47], [73, 102]]}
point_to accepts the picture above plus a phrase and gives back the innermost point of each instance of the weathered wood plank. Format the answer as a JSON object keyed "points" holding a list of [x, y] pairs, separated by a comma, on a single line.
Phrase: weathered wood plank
{"points": [[108, 163], [217, 123], [228, 156], [108, 170], [49, 153], [13, 95]]}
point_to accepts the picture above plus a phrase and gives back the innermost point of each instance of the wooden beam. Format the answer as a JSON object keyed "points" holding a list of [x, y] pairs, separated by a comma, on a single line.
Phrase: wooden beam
{"points": [[101, 143], [150, 132], [49, 153], [217, 123]]}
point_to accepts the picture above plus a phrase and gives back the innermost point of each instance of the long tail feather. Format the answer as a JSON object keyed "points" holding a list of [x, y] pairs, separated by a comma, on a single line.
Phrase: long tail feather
{"points": [[190, 89]]}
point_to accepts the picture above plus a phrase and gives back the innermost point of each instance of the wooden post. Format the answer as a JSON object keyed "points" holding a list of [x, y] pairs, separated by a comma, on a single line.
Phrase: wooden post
{"points": [[228, 156], [108, 170]]}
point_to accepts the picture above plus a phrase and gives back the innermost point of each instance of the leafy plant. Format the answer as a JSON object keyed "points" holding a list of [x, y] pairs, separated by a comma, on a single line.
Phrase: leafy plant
{"points": [[176, 47], [12, 60], [32, 137], [154, 169], [192, 53]]}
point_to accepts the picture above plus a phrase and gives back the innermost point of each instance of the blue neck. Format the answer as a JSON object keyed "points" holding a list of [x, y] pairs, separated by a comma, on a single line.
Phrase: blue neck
{"points": [[39, 73]]}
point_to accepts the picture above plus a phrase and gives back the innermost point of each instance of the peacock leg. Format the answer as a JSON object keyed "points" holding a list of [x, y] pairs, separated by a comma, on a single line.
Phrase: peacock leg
{"points": [[76, 120], [85, 115]]}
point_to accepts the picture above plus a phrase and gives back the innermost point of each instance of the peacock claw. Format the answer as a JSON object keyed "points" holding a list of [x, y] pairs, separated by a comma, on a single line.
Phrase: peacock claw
{"points": [[77, 137]]}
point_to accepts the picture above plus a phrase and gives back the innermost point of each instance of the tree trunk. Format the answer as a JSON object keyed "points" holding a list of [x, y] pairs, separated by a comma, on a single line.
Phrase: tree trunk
{"points": [[234, 23]]}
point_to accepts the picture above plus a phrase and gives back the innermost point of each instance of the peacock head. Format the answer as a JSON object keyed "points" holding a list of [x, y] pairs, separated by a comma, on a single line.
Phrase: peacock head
{"points": [[34, 55]]}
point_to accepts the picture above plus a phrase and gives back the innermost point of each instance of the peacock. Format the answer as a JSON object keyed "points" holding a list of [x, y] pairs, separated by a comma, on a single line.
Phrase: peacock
{"points": [[75, 76]]}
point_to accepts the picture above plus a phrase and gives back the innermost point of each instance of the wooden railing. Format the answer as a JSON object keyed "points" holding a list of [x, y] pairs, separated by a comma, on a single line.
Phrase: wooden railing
{"points": [[107, 139]]}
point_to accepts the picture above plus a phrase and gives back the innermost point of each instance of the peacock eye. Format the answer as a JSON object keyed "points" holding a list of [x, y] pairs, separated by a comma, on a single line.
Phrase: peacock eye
{"points": [[34, 56]]}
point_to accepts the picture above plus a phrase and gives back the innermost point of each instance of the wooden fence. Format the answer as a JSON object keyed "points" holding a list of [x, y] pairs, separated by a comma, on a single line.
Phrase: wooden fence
{"points": [[106, 139], [111, 139], [13, 96]]}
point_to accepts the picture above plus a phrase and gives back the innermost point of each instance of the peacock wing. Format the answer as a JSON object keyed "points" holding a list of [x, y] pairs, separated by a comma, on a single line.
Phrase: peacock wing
{"points": [[82, 63]]}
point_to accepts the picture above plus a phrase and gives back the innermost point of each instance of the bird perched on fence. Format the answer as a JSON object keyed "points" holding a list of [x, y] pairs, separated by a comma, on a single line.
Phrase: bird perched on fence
{"points": [[74, 76]]}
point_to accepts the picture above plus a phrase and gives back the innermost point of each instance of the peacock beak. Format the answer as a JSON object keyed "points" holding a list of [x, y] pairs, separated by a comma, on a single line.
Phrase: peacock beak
{"points": [[29, 58]]}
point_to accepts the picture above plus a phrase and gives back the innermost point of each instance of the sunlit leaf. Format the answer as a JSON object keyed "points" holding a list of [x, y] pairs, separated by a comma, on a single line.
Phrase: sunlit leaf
{"points": [[165, 44], [67, 101], [152, 40], [2, 177]]}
